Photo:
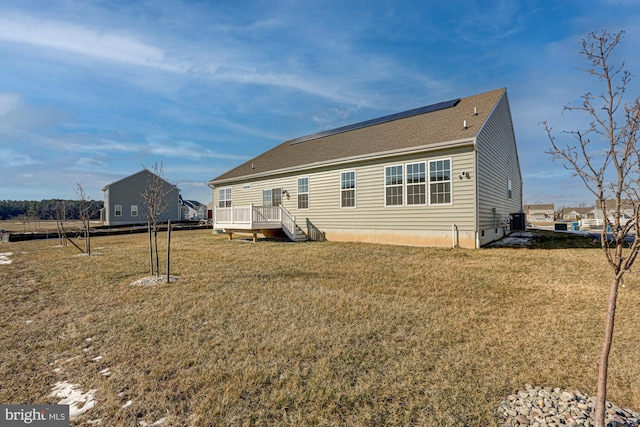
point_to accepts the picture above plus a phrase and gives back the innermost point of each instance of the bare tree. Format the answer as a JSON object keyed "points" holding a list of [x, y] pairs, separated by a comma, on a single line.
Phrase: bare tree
{"points": [[60, 214], [85, 210], [155, 203], [604, 155]]}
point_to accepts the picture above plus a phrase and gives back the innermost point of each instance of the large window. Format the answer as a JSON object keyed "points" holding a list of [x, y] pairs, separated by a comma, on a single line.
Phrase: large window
{"points": [[440, 181], [348, 189], [416, 184], [303, 193], [393, 185], [224, 198], [272, 197]]}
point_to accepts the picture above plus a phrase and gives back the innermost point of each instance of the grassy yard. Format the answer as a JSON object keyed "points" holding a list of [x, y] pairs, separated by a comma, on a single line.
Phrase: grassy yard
{"points": [[276, 333]]}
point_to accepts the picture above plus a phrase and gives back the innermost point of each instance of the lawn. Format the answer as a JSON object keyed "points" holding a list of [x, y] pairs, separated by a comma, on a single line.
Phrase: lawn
{"points": [[278, 333]]}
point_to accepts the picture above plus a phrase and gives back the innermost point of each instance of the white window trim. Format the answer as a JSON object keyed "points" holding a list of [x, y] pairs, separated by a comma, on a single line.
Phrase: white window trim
{"points": [[384, 178], [224, 190], [117, 208], [426, 183], [134, 210], [355, 189], [307, 193], [450, 181]]}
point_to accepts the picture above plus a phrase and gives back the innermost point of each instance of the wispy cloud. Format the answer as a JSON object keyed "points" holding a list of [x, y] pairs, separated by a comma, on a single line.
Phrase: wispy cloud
{"points": [[102, 44]]}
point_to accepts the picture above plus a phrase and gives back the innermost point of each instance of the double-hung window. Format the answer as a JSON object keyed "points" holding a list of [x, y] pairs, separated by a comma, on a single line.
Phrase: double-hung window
{"points": [[348, 189], [303, 193], [416, 184], [393, 181], [117, 210], [440, 181], [134, 210], [224, 198]]}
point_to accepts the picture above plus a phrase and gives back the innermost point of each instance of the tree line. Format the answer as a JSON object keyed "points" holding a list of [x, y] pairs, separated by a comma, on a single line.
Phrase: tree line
{"points": [[50, 209]]}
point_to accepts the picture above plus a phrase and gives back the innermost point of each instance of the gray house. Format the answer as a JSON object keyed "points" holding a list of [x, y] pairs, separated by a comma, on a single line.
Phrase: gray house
{"points": [[123, 203], [445, 174]]}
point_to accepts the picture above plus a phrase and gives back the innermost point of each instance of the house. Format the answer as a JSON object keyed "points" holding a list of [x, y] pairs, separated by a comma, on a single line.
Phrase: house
{"points": [[445, 174], [627, 208], [578, 213], [540, 213], [124, 204], [193, 210]]}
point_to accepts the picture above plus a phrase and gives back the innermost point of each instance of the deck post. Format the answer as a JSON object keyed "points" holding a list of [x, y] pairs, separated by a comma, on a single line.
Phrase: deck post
{"points": [[255, 237], [250, 215], [230, 235]]}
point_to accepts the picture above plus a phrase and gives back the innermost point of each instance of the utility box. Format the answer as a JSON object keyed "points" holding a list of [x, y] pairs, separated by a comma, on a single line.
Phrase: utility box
{"points": [[518, 221]]}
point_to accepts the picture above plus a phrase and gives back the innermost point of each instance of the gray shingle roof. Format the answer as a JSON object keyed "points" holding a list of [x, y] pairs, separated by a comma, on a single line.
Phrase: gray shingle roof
{"points": [[406, 133]]}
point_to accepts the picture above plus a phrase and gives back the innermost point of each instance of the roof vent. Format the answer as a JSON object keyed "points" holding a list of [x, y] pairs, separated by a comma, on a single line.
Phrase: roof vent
{"points": [[464, 124], [475, 111]]}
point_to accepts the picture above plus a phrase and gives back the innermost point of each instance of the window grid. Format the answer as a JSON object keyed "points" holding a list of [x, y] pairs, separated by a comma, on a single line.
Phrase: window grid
{"points": [[224, 198], [134, 210], [440, 182], [393, 185], [117, 210], [348, 189], [303, 193], [416, 184]]}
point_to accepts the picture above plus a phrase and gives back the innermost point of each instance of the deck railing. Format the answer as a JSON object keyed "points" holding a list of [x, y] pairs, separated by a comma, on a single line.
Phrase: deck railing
{"points": [[246, 216]]}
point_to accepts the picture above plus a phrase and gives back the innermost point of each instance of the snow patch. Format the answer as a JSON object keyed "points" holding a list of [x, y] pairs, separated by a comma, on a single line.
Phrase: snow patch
{"points": [[4, 257], [72, 395]]}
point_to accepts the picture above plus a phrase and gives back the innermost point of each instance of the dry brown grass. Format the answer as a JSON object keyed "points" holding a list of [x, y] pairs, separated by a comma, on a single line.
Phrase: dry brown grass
{"points": [[277, 333], [30, 225]]}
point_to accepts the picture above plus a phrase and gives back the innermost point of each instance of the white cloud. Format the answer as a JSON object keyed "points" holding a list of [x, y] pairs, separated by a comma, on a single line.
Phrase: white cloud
{"points": [[9, 102], [78, 39], [13, 158]]}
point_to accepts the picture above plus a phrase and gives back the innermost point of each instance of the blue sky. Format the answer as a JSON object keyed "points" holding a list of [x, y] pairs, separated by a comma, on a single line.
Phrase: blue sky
{"points": [[90, 91]]}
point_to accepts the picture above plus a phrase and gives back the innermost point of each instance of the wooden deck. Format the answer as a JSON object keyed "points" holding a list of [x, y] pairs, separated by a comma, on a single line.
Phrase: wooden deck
{"points": [[253, 219]]}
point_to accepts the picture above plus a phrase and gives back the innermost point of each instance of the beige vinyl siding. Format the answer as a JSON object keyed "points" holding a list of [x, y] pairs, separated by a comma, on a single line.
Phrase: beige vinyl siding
{"points": [[370, 212], [497, 164]]}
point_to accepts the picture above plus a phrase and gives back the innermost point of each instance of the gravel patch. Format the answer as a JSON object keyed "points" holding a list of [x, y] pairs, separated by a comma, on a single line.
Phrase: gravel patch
{"points": [[153, 280], [554, 407]]}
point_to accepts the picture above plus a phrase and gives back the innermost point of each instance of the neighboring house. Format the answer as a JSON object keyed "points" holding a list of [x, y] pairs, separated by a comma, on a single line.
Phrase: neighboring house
{"points": [[627, 208], [540, 213], [578, 213], [193, 210], [123, 203], [442, 175]]}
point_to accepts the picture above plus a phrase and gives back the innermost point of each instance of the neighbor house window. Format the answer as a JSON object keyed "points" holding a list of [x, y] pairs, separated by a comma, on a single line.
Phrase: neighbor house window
{"points": [[393, 185], [348, 189], [134, 210], [416, 184], [118, 210], [509, 189], [303, 193], [440, 181], [224, 198], [272, 197]]}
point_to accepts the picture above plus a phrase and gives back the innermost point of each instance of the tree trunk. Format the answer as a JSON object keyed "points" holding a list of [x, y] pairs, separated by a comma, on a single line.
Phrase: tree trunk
{"points": [[603, 365], [168, 249], [155, 242], [150, 249], [87, 238]]}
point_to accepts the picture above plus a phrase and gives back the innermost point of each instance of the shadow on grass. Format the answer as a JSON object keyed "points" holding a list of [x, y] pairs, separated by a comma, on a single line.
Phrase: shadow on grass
{"points": [[543, 239]]}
